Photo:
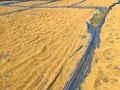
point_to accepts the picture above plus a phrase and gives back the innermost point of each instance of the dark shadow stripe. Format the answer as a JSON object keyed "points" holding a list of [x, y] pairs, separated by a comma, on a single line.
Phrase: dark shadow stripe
{"points": [[77, 3], [58, 74], [76, 50], [9, 3], [54, 7]]}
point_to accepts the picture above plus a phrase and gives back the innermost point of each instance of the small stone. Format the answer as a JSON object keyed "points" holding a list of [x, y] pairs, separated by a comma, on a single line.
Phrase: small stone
{"points": [[96, 61], [112, 42], [105, 79], [7, 76], [117, 68], [4, 56], [83, 36]]}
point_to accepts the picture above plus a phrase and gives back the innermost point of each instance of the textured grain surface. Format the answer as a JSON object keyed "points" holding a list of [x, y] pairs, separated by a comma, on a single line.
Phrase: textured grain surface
{"points": [[40, 43], [39, 47]]}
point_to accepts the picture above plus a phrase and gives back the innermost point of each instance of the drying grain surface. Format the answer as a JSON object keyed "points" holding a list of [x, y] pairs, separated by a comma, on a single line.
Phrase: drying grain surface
{"points": [[36, 47], [4, 9], [63, 2], [40, 47], [28, 3], [98, 3]]}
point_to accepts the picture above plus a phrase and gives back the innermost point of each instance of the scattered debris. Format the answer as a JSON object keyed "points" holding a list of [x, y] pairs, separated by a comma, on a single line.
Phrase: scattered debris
{"points": [[117, 68], [83, 36], [4, 56], [105, 79], [96, 61]]}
